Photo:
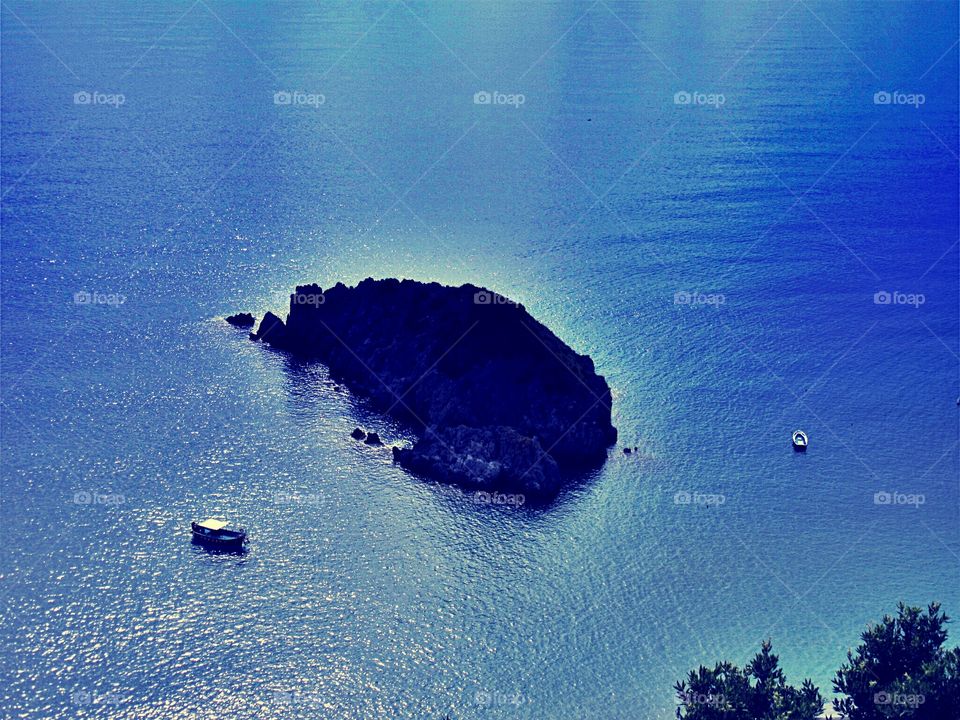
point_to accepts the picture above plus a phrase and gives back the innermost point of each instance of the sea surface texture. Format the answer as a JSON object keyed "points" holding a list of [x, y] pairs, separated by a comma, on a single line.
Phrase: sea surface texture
{"points": [[746, 213]]}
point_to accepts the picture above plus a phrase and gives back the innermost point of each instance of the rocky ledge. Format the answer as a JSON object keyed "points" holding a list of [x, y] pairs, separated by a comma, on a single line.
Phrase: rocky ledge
{"points": [[242, 320], [499, 401]]}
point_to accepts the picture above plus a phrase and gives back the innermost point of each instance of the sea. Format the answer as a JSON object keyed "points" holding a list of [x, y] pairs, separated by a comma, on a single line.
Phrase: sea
{"points": [[746, 213]]}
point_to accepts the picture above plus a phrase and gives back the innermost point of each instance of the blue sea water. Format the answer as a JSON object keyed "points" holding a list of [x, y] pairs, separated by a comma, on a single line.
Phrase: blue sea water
{"points": [[746, 213]]}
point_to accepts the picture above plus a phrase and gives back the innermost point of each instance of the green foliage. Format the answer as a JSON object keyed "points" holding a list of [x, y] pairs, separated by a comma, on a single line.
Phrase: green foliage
{"points": [[901, 670], [757, 692]]}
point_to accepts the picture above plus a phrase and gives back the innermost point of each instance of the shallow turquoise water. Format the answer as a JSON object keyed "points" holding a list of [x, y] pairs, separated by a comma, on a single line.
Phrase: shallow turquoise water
{"points": [[368, 593]]}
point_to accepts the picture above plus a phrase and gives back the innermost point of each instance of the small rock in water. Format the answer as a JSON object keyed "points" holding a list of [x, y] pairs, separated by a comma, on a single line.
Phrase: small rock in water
{"points": [[626, 451], [242, 320], [373, 439], [358, 434]]}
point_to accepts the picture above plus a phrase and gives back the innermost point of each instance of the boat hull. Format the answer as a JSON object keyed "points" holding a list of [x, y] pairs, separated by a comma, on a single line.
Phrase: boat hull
{"points": [[231, 543], [225, 538]]}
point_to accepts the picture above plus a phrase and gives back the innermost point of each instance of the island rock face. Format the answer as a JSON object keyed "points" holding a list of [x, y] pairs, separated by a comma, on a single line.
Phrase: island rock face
{"points": [[242, 320], [499, 401]]}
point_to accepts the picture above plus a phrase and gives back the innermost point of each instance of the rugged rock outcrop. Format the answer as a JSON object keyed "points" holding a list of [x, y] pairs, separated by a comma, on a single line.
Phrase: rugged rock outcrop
{"points": [[499, 401], [242, 320], [271, 330], [487, 457]]}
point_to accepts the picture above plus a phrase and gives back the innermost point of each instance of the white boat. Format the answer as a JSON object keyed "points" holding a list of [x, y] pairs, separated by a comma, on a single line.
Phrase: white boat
{"points": [[800, 440], [218, 534]]}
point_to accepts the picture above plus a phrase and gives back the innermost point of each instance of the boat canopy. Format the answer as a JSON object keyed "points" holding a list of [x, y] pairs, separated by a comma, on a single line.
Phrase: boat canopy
{"points": [[213, 524]]}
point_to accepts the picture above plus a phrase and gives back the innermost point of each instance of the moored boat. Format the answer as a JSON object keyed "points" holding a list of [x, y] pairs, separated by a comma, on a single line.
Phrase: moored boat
{"points": [[800, 440], [218, 533]]}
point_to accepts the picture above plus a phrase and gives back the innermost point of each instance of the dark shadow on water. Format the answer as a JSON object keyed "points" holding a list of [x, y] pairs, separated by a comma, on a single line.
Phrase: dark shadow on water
{"points": [[506, 500], [308, 379]]}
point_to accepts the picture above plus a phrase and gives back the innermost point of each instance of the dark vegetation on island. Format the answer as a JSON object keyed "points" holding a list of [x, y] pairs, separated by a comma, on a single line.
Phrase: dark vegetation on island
{"points": [[499, 402], [899, 670]]}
